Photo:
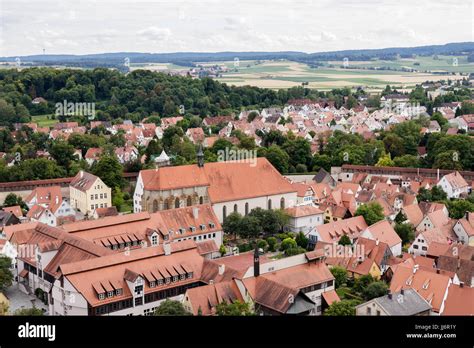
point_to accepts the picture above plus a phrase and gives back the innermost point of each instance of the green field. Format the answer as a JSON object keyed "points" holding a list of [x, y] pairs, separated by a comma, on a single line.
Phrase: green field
{"points": [[285, 74], [44, 120], [422, 64]]}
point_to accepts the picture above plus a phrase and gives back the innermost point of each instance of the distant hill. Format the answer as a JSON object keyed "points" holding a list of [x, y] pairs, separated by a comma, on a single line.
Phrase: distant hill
{"points": [[191, 58]]}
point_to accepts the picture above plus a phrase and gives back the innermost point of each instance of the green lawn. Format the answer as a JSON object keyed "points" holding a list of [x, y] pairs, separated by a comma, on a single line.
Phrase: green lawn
{"points": [[44, 120], [345, 293]]}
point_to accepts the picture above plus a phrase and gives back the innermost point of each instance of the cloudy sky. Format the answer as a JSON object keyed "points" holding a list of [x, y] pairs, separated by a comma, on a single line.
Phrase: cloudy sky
{"points": [[95, 26]]}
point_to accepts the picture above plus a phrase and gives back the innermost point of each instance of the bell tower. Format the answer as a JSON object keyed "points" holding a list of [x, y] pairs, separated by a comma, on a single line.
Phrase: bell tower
{"points": [[200, 157], [256, 262]]}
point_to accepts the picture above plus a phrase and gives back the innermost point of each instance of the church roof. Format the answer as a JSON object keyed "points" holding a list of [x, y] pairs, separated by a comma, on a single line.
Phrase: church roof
{"points": [[227, 181]]}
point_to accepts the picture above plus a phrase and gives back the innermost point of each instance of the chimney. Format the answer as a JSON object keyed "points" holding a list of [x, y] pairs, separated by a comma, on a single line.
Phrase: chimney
{"points": [[167, 248], [377, 241], [437, 270], [57, 200], [195, 212], [389, 295], [256, 262], [221, 269], [402, 292], [461, 284], [415, 268]]}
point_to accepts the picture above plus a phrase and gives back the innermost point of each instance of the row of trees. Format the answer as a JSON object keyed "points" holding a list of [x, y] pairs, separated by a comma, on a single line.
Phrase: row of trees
{"points": [[136, 95]]}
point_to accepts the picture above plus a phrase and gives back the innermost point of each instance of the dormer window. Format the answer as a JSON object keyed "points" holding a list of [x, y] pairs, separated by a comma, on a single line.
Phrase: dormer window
{"points": [[190, 275], [212, 225], [182, 276], [152, 284], [202, 227], [160, 281], [181, 230], [154, 239], [102, 296], [168, 280], [192, 228], [175, 278], [110, 294], [118, 292]]}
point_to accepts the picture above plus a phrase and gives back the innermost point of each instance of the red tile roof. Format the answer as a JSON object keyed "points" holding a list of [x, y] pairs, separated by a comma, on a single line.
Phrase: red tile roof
{"points": [[83, 181], [15, 210], [431, 286], [150, 263], [457, 302], [333, 231], [384, 232], [227, 181], [303, 210]]}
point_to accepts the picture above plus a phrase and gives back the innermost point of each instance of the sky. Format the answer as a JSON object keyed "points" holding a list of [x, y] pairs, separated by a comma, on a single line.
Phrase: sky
{"points": [[158, 26]]}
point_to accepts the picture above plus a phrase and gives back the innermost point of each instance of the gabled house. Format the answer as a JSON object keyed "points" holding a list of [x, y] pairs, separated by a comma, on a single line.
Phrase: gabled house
{"points": [[88, 192], [464, 229], [331, 232], [458, 259], [304, 218], [7, 219], [126, 154], [434, 219], [304, 193], [403, 303], [384, 232], [454, 185], [425, 238], [432, 286], [48, 206], [195, 135], [92, 155]]}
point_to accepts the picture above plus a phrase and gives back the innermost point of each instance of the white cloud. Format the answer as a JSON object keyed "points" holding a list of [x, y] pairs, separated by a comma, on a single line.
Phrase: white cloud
{"points": [[155, 34], [89, 26]]}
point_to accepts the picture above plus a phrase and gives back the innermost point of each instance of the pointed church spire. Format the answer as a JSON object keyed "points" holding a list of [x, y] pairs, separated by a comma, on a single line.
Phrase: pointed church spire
{"points": [[256, 262], [200, 156]]}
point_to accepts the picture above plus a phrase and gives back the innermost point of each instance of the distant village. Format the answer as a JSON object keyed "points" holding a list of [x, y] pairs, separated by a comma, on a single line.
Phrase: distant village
{"points": [[313, 121]]}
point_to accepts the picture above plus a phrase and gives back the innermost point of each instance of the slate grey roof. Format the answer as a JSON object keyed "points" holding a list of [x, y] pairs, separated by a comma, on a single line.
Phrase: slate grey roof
{"points": [[321, 175], [408, 303], [301, 305]]}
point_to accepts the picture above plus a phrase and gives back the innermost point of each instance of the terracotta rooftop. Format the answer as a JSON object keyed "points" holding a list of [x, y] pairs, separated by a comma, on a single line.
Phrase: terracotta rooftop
{"points": [[83, 181], [177, 223], [413, 213], [204, 299], [93, 276], [303, 210], [15, 210], [456, 180], [227, 181], [456, 303], [333, 231], [430, 285]]}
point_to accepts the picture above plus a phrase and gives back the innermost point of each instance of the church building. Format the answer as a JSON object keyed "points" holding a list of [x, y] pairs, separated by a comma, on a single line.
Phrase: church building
{"points": [[231, 186]]}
